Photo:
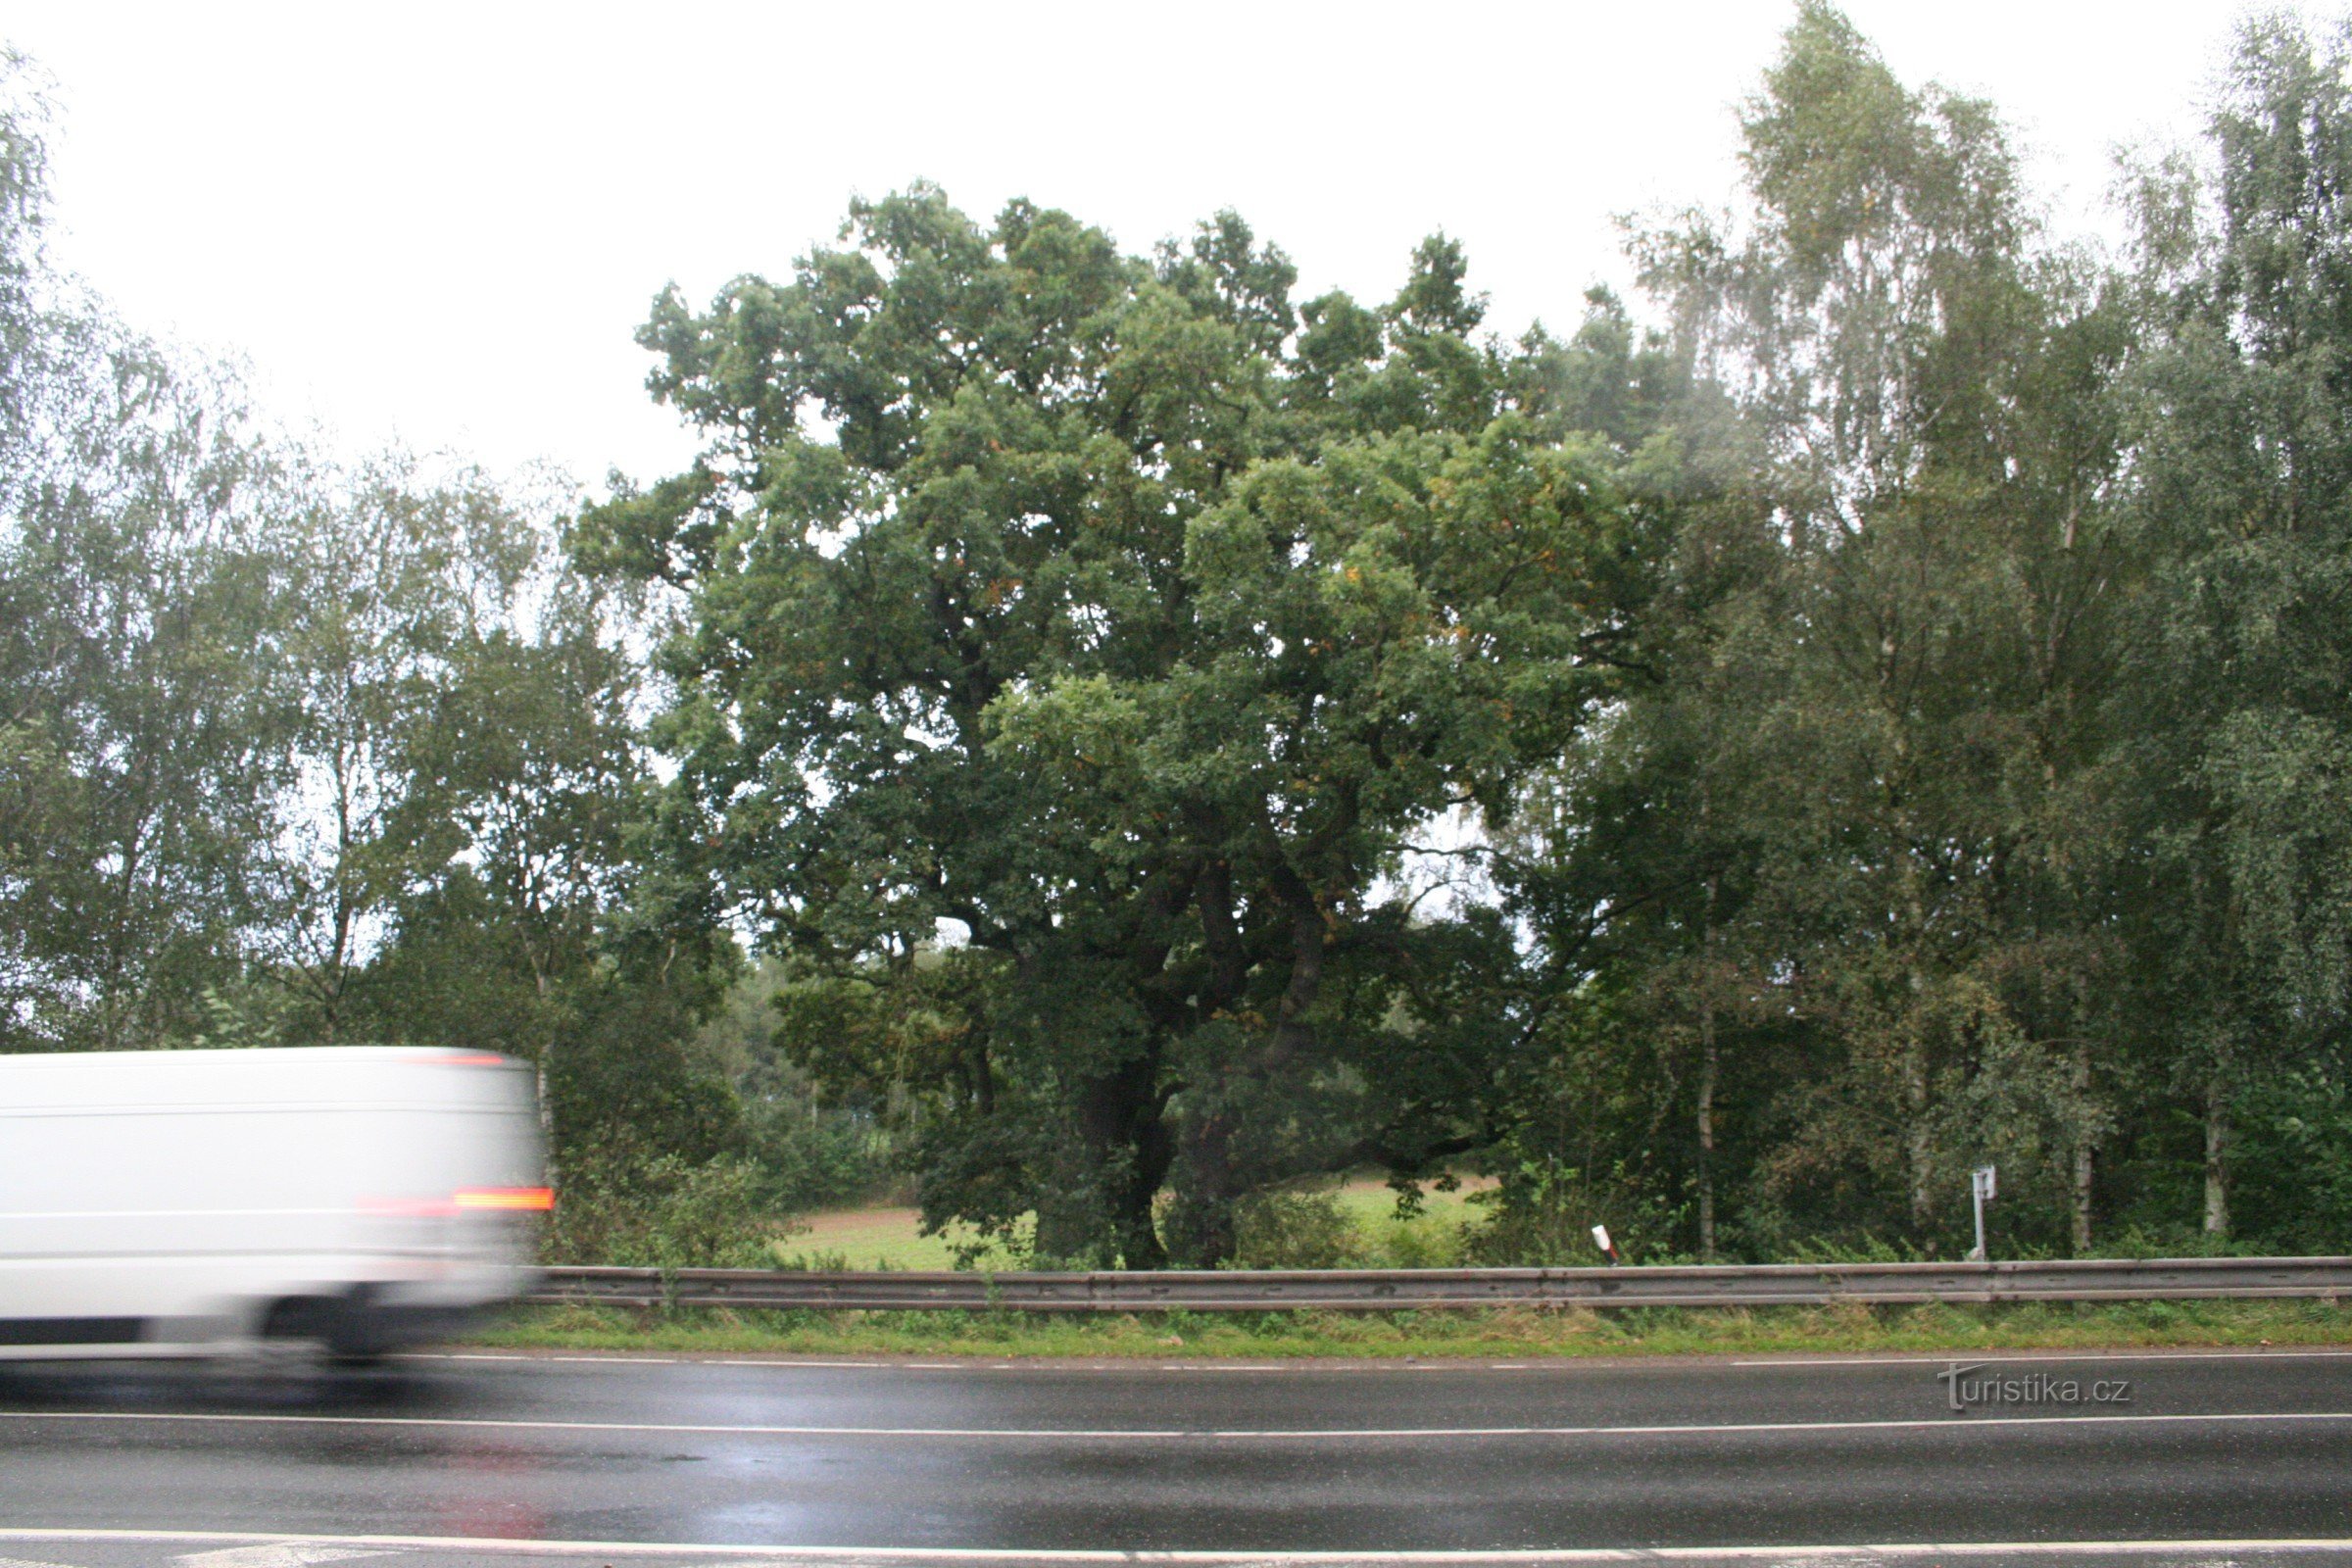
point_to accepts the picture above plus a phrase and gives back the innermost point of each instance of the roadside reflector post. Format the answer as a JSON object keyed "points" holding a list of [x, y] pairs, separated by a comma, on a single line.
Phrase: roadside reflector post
{"points": [[1980, 1192], [1600, 1239]]}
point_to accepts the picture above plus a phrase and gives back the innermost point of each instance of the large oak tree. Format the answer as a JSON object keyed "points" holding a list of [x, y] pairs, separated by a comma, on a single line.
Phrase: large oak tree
{"points": [[1075, 645]]}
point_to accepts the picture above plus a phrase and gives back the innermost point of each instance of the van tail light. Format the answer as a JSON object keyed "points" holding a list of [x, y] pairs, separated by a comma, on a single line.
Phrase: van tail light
{"points": [[531, 1199]]}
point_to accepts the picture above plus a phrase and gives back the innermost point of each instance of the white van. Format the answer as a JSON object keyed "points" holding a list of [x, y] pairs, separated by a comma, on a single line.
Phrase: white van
{"points": [[183, 1203]]}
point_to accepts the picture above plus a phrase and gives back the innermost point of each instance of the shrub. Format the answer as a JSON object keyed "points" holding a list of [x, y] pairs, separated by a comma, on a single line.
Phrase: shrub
{"points": [[618, 1208], [1295, 1230], [1429, 1242], [816, 1157]]}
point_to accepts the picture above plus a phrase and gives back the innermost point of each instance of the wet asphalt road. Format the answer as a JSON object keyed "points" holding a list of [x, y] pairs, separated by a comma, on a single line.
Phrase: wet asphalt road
{"points": [[984, 1463]]}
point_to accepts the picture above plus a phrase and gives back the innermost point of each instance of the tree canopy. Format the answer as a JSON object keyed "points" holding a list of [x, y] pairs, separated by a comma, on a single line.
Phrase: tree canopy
{"points": [[1113, 744], [1083, 641]]}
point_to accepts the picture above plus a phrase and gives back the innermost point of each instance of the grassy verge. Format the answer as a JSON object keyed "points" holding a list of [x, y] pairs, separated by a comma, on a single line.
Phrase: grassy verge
{"points": [[1500, 1333]]}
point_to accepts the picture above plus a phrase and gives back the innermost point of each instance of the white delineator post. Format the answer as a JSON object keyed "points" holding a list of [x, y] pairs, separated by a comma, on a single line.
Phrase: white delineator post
{"points": [[1980, 1189]]}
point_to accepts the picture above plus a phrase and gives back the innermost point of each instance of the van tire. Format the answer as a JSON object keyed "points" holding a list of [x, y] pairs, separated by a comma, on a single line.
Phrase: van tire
{"points": [[308, 1318]]}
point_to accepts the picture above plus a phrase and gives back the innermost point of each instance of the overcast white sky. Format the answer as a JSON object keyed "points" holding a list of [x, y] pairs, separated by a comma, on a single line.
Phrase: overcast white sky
{"points": [[438, 224]]}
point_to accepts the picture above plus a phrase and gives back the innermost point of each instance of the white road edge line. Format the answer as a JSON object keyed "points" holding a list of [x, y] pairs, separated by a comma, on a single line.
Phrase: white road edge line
{"points": [[1008, 1554], [2006, 1357], [1170, 1434], [1548, 1364]]}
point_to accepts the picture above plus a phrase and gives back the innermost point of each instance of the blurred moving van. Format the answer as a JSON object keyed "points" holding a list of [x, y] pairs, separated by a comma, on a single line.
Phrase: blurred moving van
{"points": [[187, 1203]]}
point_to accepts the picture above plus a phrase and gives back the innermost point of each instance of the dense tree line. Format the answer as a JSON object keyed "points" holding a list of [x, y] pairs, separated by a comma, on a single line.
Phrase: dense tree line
{"points": [[1876, 709], [299, 754]]}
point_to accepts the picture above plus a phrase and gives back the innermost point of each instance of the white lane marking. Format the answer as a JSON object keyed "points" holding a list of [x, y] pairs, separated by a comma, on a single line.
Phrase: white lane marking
{"points": [[1040, 1365], [1211, 1559], [1562, 1363], [280, 1555], [598, 1358], [601, 1359], [27, 1562], [2054, 1355], [1169, 1433]]}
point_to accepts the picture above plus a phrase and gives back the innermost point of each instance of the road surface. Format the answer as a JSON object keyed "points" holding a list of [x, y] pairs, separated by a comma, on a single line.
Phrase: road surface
{"points": [[560, 1460]]}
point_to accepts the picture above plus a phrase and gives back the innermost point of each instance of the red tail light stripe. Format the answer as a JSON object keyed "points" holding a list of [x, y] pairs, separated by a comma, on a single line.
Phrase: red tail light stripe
{"points": [[537, 1199]]}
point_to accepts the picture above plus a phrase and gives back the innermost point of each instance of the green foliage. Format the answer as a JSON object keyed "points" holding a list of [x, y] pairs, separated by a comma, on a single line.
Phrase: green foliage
{"points": [[2245, 517], [817, 1153], [1066, 600], [1832, 901], [617, 1205], [1295, 1230], [1405, 1243], [1978, 803], [1880, 709], [1829, 685], [1498, 1334], [142, 736], [2292, 1167], [816, 1157], [292, 754]]}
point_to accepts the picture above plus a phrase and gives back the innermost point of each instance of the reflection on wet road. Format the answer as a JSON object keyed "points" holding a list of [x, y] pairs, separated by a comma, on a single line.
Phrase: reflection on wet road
{"points": [[471, 1458]]}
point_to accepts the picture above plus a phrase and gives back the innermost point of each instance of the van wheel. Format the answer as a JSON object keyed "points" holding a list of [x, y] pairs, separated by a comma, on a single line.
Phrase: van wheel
{"points": [[340, 1328], [300, 1317]]}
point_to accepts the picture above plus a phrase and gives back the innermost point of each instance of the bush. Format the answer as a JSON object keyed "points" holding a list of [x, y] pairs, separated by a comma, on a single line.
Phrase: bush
{"points": [[816, 1157], [1295, 1230], [620, 1209], [1425, 1242], [1540, 1218]]}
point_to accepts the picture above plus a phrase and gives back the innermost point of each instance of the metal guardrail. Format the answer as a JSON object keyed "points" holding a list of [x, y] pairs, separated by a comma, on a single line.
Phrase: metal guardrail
{"points": [[1405, 1290]]}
